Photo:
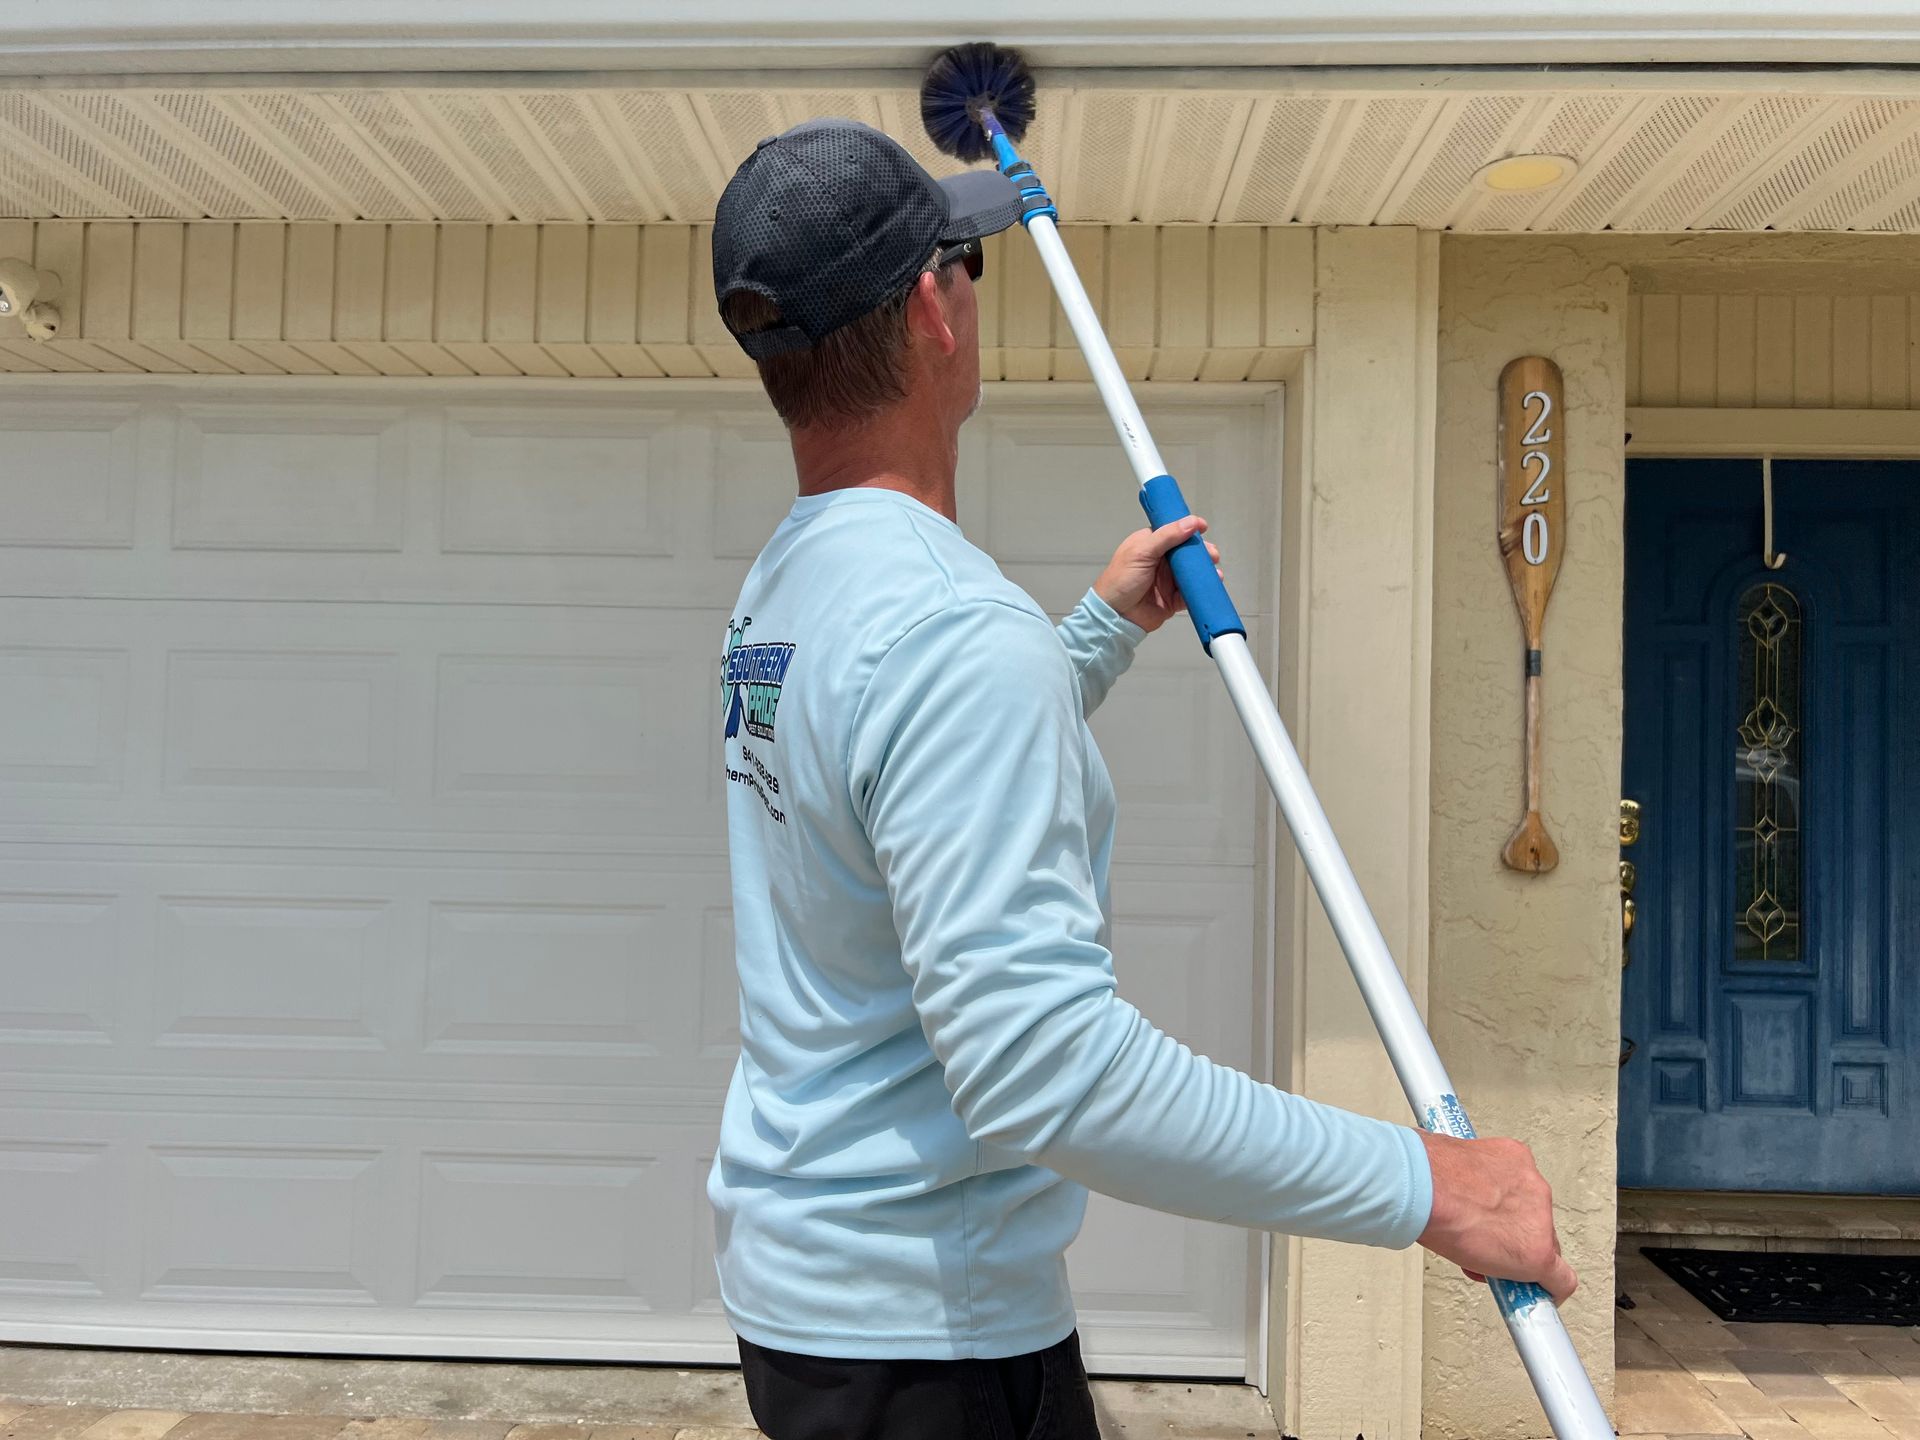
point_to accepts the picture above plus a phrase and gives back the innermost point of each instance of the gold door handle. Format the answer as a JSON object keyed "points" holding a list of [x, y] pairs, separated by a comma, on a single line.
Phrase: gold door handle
{"points": [[1628, 910], [1629, 822]]}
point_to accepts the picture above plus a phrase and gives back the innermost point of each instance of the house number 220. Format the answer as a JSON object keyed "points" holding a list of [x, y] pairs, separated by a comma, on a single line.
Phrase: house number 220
{"points": [[1533, 530], [1532, 470]]}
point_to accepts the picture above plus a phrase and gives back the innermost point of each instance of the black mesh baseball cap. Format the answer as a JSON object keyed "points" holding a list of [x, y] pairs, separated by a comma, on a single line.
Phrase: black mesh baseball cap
{"points": [[832, 219]]}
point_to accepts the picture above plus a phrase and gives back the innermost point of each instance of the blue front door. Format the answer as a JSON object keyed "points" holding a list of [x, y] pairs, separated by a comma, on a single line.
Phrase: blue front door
{"points": [[1771, 1007]]}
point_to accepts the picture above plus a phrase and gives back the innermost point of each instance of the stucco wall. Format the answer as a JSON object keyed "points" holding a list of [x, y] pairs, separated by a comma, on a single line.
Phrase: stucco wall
{"points": [[1524, 976]]}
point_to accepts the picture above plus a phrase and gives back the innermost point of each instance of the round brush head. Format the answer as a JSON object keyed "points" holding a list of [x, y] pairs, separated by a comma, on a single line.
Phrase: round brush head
{"points": [[967, 79]]}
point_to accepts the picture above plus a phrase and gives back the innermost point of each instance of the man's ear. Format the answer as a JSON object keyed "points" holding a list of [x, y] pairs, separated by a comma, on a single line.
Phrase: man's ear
{"points": [[927, 314]]}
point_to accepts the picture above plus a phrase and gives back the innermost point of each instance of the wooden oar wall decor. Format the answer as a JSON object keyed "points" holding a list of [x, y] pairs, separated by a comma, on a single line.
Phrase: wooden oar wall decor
{"points": [[1532, 531]]}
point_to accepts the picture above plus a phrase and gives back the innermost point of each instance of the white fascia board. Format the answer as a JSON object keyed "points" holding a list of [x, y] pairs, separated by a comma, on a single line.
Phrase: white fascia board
{"points": [[225, 37]]}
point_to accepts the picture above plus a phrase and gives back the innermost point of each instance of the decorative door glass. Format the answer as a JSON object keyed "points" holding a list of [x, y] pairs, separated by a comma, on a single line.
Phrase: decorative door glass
{"points": [[1767, 775]]}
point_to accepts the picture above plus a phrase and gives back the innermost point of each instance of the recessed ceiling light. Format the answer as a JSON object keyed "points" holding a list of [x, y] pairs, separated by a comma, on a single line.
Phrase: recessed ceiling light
{"points": [[1517, 174]]}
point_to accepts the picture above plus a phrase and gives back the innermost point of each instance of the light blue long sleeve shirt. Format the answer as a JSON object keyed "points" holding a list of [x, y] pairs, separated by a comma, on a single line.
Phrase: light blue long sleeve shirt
{"points": [[934, 1059]]}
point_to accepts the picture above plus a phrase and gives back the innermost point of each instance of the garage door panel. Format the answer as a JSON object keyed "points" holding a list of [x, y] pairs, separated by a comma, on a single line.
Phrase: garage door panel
{"points": [[366, 951], [1150, 1287], [606, 980], [539, 725], [563, 481], [1169, 790], [94, 448], [1167, 929], [70, 1187], [1050, 494], [63, 718], [752, 483], [286, 1221], [521, 503], [60, 967], [562, 1231], [285, 720], [357, 720], [291, 477], [268, 972], [1147, 1284], [585, 993], [538, 505], [589, 728], [441, 1210], [539, 740]]}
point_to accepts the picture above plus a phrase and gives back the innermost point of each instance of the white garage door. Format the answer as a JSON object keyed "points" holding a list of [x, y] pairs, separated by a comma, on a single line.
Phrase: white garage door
{"points": [[365, 957]]}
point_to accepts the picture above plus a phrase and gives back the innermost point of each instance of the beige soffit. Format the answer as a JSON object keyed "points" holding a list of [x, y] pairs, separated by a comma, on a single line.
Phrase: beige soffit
{"points": [[1655, 150], [263, 298]]}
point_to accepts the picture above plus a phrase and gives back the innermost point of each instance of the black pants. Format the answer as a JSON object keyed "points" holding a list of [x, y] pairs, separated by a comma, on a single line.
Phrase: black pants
{"points": [[1039, 1396]]}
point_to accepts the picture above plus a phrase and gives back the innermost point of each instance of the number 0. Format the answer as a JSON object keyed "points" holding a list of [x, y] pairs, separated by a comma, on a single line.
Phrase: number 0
{"points": [[1533, 538]]}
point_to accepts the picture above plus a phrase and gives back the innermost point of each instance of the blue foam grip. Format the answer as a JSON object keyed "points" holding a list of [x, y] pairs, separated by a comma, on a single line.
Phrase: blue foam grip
{"points": [[1206, 593]]}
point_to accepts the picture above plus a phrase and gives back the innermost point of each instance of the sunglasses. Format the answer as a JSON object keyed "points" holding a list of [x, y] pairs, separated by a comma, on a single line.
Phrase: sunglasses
{"points": [[970, 253]]}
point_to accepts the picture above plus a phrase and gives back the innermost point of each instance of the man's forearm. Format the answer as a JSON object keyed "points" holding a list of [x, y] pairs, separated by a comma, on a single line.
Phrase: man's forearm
{"points": [[1095, 1092], [1101, 646]]}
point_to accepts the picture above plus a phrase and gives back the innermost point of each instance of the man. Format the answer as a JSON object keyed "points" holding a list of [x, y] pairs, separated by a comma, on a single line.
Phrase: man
{"points": [[934, 1061]]}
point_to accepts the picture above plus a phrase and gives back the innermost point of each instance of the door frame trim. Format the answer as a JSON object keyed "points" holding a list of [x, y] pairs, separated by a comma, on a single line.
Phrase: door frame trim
{"points": [[1815, 434]]}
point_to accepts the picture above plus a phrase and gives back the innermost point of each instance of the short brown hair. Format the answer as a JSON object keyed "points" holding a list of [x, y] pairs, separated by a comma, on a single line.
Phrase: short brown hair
{"points": [[851, 375]]}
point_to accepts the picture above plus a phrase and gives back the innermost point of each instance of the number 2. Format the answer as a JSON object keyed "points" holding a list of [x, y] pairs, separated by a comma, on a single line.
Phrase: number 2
{"points": [[1537, 494], [1535, 435]]}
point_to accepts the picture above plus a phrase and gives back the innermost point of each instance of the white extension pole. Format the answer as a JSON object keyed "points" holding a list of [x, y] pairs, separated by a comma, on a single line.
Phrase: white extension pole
{"points": [[1566, 1394]]}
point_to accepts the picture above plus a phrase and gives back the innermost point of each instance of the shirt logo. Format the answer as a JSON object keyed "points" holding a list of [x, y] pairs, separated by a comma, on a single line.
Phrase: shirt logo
{"points": [[750, 677]]}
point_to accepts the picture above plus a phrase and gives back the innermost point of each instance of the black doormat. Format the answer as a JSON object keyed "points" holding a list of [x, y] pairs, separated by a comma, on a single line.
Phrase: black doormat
{"points": [[1756, 1285]]}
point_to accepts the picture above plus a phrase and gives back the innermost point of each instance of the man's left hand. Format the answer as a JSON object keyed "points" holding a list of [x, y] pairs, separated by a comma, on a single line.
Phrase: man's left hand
{"points": [[1138, 583]]}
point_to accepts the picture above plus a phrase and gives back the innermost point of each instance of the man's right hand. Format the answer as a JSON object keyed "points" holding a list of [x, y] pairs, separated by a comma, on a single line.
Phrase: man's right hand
{"points": [[1493, 1213]]}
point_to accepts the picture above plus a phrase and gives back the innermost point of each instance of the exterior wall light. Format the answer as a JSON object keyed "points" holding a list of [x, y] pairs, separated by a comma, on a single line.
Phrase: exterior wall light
{"points": [[24, 292]]}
